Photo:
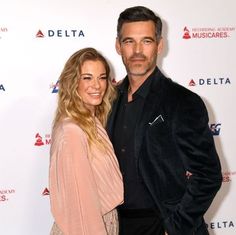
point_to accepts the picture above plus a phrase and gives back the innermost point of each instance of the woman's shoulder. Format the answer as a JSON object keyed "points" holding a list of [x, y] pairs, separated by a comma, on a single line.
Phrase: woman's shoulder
{"points": [[68, 128]]}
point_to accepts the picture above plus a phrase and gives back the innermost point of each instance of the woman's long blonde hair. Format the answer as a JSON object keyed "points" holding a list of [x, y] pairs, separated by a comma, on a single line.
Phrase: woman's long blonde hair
{"points": [[69, 102]]}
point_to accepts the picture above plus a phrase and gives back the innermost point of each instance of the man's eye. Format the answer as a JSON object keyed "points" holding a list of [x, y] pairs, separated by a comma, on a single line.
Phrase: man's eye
{"points": [[147, 41], [127, 41]]}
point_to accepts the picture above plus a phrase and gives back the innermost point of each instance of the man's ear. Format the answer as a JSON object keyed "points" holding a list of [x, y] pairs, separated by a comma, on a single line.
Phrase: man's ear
{"points": [[160, 46], [118, 46]]}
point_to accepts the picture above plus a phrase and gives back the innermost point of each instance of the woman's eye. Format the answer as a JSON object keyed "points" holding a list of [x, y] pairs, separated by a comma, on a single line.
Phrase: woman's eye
{"points": [[103, 77], [86, 77]]}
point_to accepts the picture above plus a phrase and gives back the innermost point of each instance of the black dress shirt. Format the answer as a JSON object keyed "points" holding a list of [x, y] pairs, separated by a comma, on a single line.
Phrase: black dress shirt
{"points": [[136, 195]]}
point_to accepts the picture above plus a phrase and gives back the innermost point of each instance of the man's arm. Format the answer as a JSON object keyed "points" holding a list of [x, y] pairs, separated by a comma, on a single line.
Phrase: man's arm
{"points": [[197, 151]]}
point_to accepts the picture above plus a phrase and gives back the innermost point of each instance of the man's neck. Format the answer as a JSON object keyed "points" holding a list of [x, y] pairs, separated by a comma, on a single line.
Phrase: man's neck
{"points": [[136, 81]]}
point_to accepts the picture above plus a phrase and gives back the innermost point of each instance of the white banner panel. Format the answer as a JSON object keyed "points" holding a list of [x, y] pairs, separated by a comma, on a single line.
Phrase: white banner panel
{"points": [[37, 37]]}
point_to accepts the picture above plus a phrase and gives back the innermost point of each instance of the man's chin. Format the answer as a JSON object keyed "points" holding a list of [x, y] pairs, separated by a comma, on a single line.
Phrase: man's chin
{"points": [[139, 73]]}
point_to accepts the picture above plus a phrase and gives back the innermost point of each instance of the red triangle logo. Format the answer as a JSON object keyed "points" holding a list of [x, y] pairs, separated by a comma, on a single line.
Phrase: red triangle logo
{"points": [[45, 192], [39, 34], [192, 83]]}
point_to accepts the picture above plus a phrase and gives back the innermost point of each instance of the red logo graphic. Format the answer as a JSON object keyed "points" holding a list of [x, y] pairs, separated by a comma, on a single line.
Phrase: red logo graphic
{"points": [[45, 192], [39, 34], [38, 141], [192, 83], [186, 33]]}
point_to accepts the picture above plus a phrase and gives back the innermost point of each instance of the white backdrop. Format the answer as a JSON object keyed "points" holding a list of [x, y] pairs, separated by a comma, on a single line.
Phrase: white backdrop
{"points": [[36, 39]]}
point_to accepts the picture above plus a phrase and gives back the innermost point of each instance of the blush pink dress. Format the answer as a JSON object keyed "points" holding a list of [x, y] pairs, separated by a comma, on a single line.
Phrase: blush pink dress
{"points": [[85, 183]]}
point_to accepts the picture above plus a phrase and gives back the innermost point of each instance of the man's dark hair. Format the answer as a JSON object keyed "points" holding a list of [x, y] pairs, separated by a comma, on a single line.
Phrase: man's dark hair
{"points": [[139, 13]]}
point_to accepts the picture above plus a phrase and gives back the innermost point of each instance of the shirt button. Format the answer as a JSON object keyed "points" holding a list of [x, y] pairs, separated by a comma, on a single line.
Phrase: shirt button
{"points": [[125, 127], [123, 150]]}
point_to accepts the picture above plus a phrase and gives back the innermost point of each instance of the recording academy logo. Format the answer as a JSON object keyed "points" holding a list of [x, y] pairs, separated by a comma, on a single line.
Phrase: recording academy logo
{"points": [[5, 194], [215, 128], [45, 192], [55, 87], [2, 88], [40, 141], [214, 81], [3, 31], [60, 33], [207, 32]]}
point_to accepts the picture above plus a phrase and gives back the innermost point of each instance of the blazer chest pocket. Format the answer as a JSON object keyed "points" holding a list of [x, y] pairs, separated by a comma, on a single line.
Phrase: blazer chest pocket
{"points": [[159, 134], [157, 120]]}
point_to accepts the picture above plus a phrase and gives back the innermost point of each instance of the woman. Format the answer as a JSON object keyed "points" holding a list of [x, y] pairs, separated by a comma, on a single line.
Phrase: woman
{"points": [[85, 181]]}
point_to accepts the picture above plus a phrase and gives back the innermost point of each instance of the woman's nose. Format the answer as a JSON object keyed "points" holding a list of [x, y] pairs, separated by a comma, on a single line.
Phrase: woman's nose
{"points": [[96, 83]]}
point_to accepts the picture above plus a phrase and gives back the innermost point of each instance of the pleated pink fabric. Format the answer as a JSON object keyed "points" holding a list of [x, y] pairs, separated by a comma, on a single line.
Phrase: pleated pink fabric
{"points": [[85, 183]]}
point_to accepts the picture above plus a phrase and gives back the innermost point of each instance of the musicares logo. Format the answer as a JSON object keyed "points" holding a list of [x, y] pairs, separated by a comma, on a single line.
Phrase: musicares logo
{"points": [[4, 194], [207, 32]]}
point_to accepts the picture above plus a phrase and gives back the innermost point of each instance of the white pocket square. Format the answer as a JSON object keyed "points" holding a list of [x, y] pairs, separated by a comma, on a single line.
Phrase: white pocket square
{"points": [[158, 119]]}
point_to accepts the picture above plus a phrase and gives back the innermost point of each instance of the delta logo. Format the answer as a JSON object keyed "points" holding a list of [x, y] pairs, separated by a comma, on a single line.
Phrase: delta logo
{"points": [[215, 128], [226, 224], [2, 88], [60, 33], [228, 176], [40, 141], [214, 81], [5, 194], [55, 87], [207, 32], [45, 192], [3, 30]]}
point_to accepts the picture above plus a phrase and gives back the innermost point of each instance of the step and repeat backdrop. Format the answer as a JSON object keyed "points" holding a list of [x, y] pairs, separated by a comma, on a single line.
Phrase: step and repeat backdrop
{"points": [[36, 39]]}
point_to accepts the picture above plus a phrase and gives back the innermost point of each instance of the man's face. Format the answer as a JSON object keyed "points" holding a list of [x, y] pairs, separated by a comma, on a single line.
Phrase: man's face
{"points": [[138, 47]]}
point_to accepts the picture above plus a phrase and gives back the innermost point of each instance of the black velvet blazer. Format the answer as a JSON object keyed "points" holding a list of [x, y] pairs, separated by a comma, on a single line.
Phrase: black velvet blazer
{"points": [[182, 169]]}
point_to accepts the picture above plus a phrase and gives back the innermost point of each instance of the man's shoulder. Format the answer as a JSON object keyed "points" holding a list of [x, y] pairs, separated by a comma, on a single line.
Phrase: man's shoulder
{"points": [[177, 89]]}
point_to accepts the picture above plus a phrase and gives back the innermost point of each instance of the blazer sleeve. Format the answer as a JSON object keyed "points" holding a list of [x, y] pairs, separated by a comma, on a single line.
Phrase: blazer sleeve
{"points": [[196, 147], [73, 193]]}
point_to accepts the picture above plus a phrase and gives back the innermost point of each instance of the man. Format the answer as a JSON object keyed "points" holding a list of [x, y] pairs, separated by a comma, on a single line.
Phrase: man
{"points": [[161, 137]]}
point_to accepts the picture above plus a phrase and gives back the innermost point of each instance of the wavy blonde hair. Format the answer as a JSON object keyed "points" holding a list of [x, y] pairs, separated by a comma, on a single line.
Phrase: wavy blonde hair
{"points": [[69, 102]]}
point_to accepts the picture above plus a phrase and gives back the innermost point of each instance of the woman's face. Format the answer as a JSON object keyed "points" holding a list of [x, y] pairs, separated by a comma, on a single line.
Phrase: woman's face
{"points": [[92, 83]]}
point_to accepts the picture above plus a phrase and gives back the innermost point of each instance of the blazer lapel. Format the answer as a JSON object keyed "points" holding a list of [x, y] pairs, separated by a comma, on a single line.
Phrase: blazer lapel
{"points": [[151, 105]]}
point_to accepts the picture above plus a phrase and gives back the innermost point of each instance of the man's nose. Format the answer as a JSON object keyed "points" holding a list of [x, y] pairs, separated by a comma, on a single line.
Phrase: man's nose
{"points": [[138, 47]]}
